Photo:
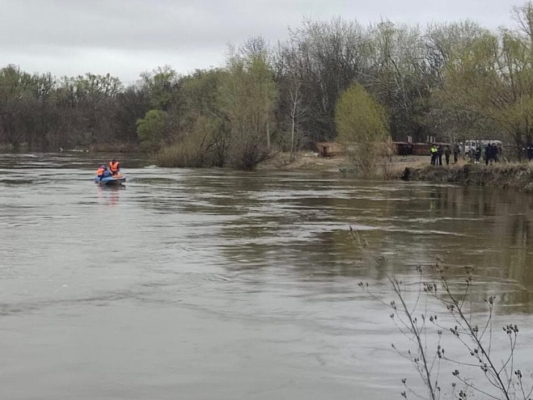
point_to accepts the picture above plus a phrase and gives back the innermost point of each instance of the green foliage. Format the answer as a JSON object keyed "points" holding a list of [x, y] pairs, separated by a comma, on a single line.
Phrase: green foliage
{"points": [[151, 129], [451, 81], [186, 154], [362, 123], [162, 86], [198, 149], [204, 113], [202, 137], [359, 117], [491, 76], [248, 97], [200, 91]]}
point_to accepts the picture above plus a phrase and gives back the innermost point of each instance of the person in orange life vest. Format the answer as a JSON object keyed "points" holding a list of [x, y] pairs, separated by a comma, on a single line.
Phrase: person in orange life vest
{"points": [[100, 171], [114, 166], [103, 172]]}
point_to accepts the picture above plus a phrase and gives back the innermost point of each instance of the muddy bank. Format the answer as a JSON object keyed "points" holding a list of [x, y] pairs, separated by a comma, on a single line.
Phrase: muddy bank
{"points": [[517, 177], [303, 161], [311, 161]]}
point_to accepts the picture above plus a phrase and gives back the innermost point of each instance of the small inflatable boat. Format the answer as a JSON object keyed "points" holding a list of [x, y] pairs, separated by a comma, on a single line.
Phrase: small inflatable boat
{"points": [[116, 180]]}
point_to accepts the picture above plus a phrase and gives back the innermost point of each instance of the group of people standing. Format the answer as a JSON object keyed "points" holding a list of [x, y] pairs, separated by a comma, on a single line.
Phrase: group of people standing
{"points": [[493, 153], [438, 151], [105, 171]]}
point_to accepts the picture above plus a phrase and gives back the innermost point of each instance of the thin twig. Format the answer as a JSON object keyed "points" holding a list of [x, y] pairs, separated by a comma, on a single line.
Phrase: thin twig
{"points": [[420, 346]]}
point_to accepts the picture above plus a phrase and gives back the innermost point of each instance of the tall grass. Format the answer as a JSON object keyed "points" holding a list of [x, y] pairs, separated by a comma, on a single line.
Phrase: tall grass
{"points": [[198, 149], [182, 155]]}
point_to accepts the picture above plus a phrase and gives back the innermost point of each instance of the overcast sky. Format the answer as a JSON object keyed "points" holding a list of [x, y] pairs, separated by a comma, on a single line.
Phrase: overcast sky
{"points": [[126, 37]]}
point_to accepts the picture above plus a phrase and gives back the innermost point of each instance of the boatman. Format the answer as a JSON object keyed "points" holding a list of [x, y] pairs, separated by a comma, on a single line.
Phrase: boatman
{"points": [[114, 167]]}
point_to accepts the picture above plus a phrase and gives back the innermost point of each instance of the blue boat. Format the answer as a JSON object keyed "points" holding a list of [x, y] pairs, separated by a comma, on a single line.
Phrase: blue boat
{"points": [[110, 180]]}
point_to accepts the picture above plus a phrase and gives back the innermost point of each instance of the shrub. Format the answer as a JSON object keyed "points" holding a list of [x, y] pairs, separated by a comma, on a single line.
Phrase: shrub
{"points": [[361, 121], [437, 308], [204, 147]]}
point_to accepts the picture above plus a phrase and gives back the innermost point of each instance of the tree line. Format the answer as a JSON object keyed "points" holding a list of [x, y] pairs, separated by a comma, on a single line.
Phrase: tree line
{"points": [[450, 81]]}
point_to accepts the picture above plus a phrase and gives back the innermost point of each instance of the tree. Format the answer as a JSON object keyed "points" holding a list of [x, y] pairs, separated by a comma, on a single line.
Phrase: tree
{"points": [[362, 123], [455, 80], [248, 96], [292, 111], [400, 77], [152, 129], [203, 115], [492, 77], [162, 85], [131, 105], [325, 57]]}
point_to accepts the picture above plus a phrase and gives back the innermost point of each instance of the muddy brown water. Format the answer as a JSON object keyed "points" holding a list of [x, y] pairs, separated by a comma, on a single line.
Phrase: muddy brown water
{"points": [[211, 284]]}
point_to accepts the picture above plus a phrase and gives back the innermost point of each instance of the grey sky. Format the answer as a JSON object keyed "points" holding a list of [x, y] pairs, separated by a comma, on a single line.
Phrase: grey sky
{"points": [[126, 37]]}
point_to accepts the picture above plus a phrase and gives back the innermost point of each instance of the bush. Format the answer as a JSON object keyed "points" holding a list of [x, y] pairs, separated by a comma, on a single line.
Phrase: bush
{"points": [[362, 122], [151, 129], [246, 155], [187, 154], [205, 146]]}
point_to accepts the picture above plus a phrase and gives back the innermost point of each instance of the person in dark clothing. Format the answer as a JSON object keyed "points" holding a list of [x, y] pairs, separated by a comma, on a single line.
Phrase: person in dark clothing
{"points": [[530, 151], [489, 153], [495, 152], [456, 152], [472, 154], [439, 154], [447, 154], [406, 174], [478, 154]]}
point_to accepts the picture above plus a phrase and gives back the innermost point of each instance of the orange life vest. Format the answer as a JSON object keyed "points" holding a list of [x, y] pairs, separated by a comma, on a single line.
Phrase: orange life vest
{"points": [[100, 171], [113, 166]]}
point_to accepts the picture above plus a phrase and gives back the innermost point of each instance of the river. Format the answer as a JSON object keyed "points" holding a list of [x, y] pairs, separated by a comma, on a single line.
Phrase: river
{"points": [[216, 284]]}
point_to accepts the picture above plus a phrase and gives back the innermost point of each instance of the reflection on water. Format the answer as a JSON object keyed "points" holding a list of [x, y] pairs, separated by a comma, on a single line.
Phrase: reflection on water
{"points": [[300, 221], [208, 284], [109, 195]]}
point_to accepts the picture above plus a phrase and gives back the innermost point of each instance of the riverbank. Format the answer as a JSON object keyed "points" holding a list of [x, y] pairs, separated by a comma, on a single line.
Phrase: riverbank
{"points": [[305, 161], [517, 177], [310, 161], [505, 176]]}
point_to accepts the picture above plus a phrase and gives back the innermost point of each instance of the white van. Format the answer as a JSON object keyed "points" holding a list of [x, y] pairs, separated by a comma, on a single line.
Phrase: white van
{"points": [[472, 144]]}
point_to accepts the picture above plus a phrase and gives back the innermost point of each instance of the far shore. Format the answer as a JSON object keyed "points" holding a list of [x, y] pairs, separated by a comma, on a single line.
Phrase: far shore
{"points": [[503, 175], [312, 161]]}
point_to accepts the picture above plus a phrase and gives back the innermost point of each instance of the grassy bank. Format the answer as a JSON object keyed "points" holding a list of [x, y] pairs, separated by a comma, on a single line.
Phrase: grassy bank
{"points": [[506, 176], [303, 161], [311, 161]]}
